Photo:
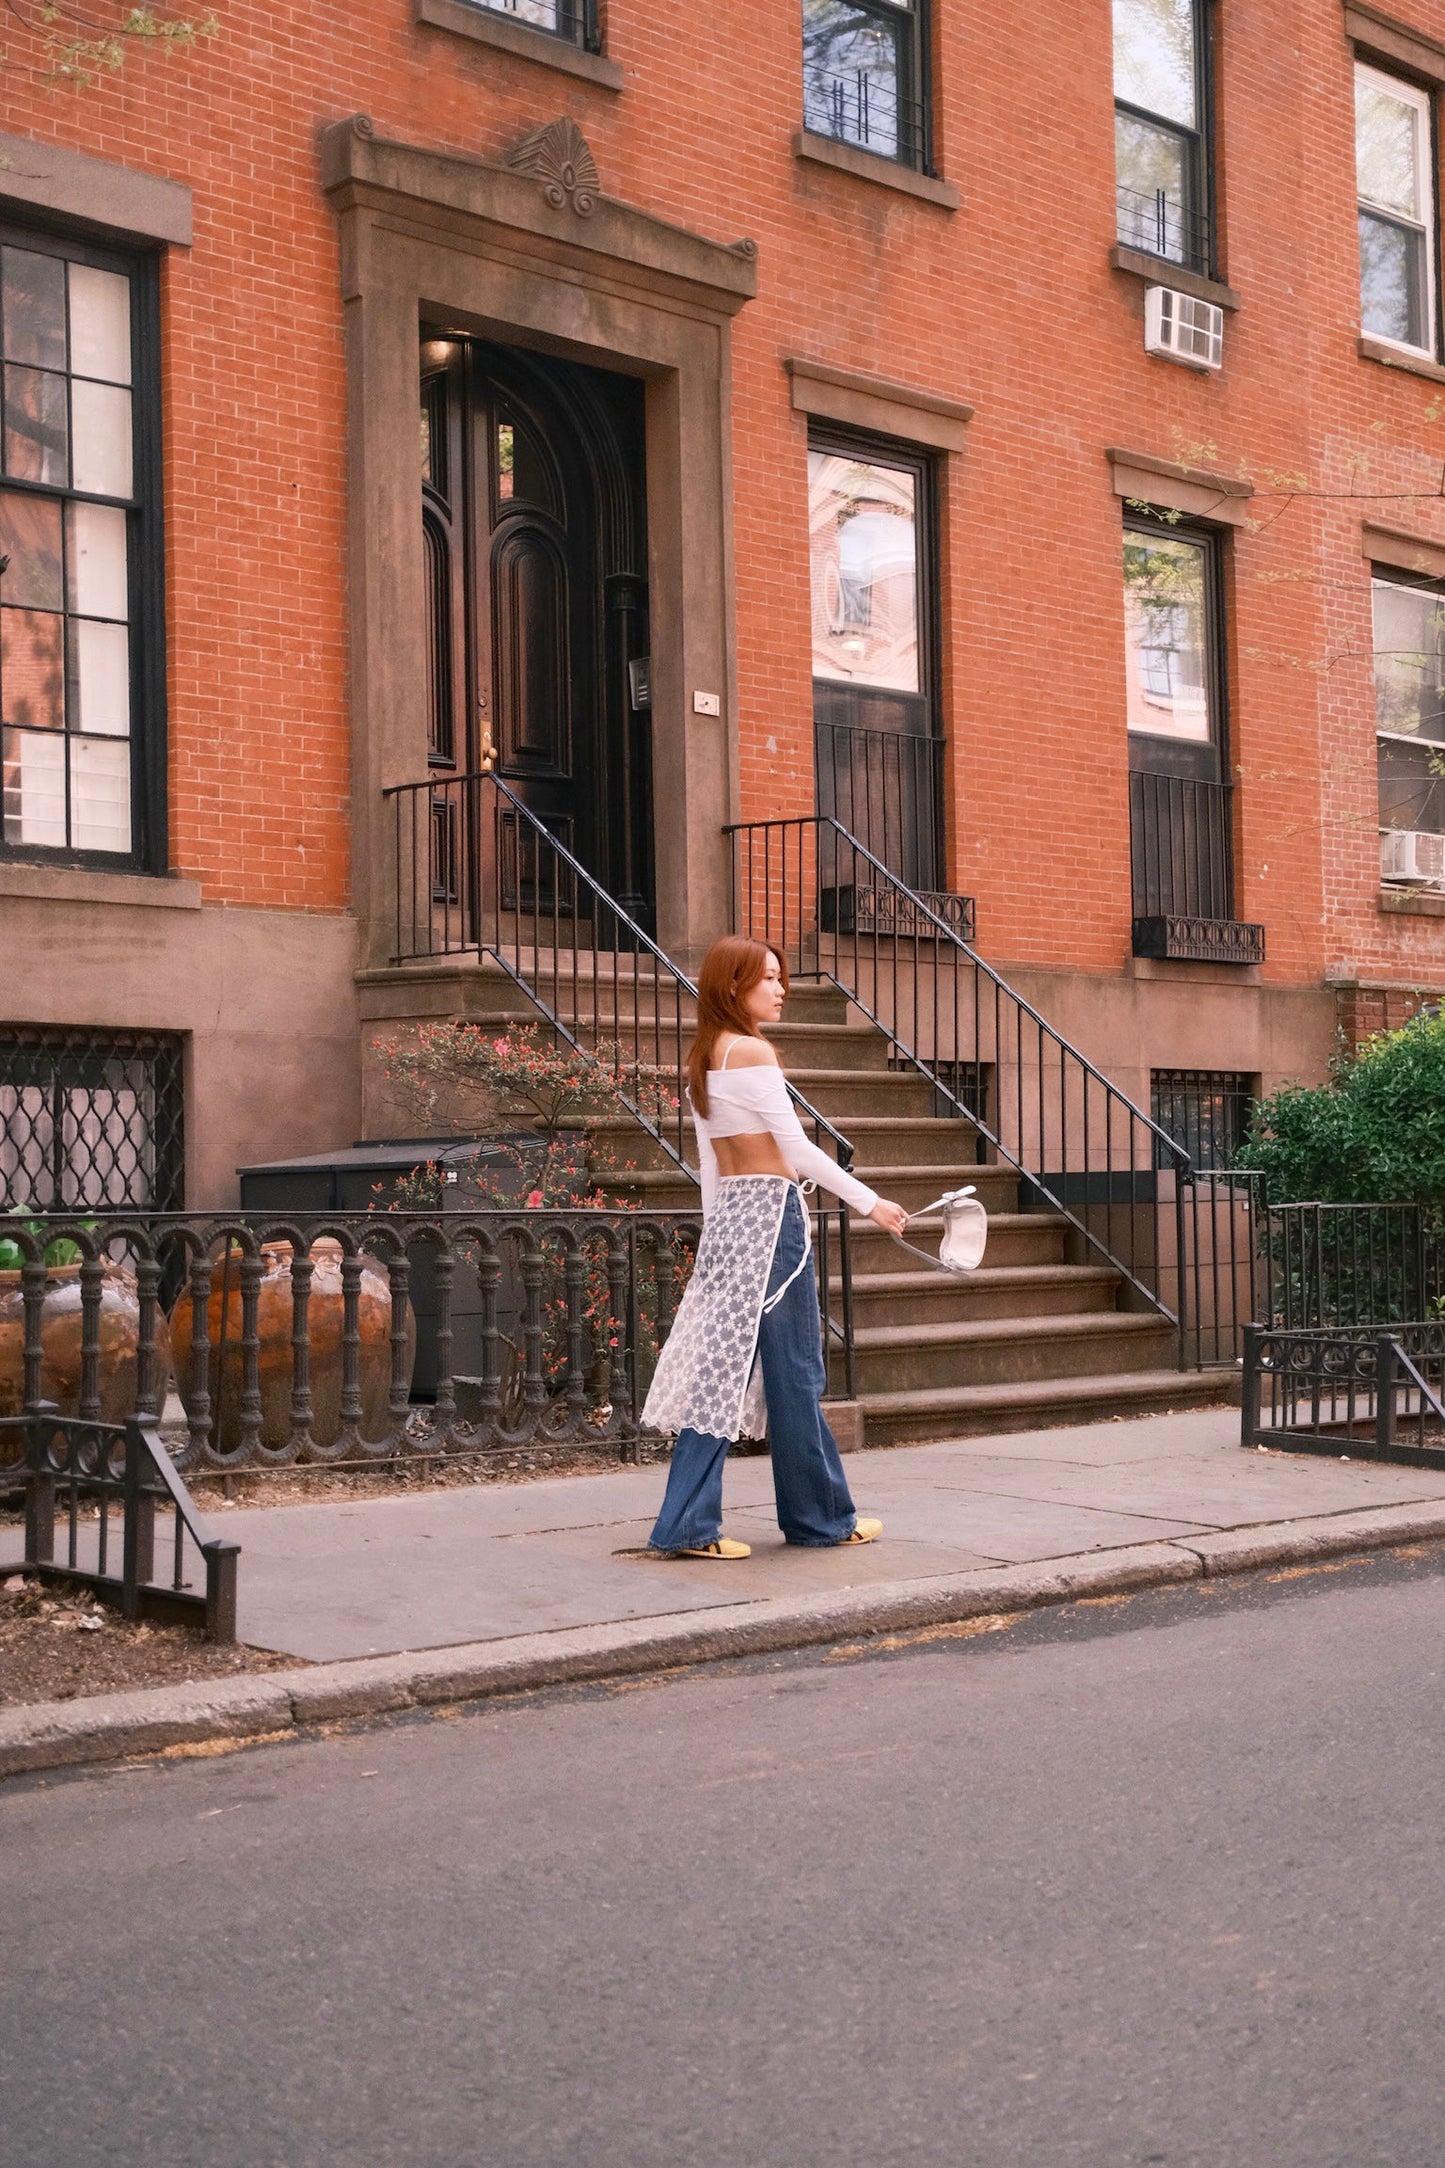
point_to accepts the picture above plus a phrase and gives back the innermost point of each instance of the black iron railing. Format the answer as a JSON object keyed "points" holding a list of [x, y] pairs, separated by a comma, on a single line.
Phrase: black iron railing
{"points": [[478, 874], [885, 787], [1158, 224], [1348, 1390], [861, 107], [573, 20], [84, 1472], [1082, 1148], [264, 1339], [1182, 846], [1351, 1265]]}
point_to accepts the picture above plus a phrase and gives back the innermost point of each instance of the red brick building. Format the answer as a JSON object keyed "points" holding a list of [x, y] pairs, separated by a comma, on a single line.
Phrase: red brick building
{"points": [[797, 357]]}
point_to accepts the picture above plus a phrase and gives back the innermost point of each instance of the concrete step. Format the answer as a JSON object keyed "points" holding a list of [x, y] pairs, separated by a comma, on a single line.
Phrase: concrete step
{"points": [[1003, 1291], [914, 1357], [1014, 1238], [851, 1095], [971, 1411], [910, 1140]]}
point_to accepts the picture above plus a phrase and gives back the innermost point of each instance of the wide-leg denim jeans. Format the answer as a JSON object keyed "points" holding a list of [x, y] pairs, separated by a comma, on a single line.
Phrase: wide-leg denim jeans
{"points": [[814, 1504]]}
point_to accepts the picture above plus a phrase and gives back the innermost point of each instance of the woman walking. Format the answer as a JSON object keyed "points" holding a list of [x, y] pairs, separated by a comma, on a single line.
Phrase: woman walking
{"points": [[746, 1335]]}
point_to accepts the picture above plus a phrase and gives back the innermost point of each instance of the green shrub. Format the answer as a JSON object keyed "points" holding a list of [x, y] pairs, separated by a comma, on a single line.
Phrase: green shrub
{"points": [[1375, 1134]]}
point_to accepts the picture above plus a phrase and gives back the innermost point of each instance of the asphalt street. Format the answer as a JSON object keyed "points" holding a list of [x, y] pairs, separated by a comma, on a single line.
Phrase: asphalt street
{"points": [[1155, 1880]]}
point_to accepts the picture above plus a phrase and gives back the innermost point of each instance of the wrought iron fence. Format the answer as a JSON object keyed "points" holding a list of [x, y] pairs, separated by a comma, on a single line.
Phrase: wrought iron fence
{"points": [[885, 787], [1348, 1390], [1080, 1145], [86, 1471], [91, 1119], [293, 1337], [1349, 1265], [507, 889], [1182, 845], [1158, 224]]}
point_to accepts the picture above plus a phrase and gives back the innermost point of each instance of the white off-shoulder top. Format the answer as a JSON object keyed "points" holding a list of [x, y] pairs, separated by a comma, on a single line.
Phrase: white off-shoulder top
{"points": [[747, 1102]]}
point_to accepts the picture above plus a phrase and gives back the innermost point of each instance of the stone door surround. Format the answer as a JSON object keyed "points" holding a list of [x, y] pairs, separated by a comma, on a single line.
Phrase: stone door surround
{"points": [[532, 252]]}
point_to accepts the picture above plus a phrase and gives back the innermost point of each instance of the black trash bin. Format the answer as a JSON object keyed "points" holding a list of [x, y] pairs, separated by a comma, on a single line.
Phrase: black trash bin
{"points": [[365, 1177]]}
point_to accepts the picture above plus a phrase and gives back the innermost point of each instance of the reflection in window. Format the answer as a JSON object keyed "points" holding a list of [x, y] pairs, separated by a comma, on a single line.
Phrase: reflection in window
{"points": [[1410, 704], [570, 19], [861, 525], [1393, 159], [1158, 130], [522, 472], [861, 75], [65, 634], [1166, 634]]}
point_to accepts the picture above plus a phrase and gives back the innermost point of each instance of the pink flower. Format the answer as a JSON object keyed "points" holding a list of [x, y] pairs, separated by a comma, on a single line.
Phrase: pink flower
{"points": [[534, 1198]]}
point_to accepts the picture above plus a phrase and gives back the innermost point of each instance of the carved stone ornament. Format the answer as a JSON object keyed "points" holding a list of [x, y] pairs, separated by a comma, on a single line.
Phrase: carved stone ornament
{"points": [[558, 157]]}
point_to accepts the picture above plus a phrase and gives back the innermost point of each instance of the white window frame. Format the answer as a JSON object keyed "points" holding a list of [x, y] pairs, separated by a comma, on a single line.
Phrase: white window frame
{"points": [[1398, 86]]}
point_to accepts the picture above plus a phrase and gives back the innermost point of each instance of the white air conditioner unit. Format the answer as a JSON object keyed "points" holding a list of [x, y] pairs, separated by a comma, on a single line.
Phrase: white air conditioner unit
{"points": [[1183, 328], [1411, 854]]}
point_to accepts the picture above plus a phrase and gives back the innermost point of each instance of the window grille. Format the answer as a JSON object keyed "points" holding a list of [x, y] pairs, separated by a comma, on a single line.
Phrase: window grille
{"points": [[574, 20], [863, 76], [1205, 1111], [91, 1120]]}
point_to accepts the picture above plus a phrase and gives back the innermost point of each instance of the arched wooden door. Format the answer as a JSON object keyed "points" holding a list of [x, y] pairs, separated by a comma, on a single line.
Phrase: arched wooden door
{"points": [[533, 512]]}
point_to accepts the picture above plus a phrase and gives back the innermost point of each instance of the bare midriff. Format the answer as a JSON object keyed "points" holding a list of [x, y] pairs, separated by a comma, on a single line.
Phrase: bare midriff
{"points": [[755, 1152]]}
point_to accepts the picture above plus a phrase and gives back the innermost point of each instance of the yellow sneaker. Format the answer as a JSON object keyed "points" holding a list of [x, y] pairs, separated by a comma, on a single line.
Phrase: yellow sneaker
{"points": [[725, 1547], [865, 1530]]}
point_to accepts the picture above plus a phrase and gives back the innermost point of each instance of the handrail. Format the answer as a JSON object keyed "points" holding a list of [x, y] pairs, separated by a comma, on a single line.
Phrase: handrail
{"points": [[466, 885], [1079, 1142]]}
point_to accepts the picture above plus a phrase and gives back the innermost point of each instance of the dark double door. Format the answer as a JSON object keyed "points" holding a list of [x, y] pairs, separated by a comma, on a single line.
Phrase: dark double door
{"points": [[533, 511]]}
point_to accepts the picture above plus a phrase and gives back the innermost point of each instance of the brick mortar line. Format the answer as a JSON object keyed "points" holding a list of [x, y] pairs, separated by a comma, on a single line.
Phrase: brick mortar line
{"points": [[267, 1706]]}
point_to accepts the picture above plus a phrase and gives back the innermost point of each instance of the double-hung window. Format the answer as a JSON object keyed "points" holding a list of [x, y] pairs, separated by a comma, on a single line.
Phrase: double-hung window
{"points": [[1161, 130], [1410, 725], [81, 750], [1395, 167], [864, 66]]}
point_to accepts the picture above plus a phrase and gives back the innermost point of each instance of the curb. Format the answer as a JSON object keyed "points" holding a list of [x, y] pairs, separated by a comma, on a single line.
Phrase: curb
{"points": [[282, 1704]]}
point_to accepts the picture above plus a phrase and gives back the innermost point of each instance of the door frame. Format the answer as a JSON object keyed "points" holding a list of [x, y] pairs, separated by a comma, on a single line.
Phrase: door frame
{"points": [[430, 237]]}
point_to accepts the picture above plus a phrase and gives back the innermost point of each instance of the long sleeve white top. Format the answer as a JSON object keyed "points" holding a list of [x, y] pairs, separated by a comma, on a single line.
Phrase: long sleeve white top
{"points": [[747, 1102]]}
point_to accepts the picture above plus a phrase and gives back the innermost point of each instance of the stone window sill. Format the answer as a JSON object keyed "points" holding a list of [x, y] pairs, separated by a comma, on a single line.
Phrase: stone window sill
{"points": [[1411, 903], [866, 166], [1394, 358], [484, 27], [1159, 271], [75, 884]]}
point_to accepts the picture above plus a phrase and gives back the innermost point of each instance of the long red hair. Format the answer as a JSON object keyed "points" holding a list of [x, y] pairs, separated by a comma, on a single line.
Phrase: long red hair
{"points": [[730, 970]]}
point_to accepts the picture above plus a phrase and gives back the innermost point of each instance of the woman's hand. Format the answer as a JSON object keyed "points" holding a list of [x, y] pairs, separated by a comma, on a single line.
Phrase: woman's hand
{"points": [[889, 1216]]}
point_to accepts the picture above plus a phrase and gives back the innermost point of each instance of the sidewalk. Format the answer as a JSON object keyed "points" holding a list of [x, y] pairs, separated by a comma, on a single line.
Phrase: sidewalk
{"points": [[370, 1578], [451, 1594]]}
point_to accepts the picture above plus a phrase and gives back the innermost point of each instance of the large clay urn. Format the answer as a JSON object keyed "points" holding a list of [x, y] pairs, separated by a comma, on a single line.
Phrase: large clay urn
{"points": [[60, 1340], [274, 1320]]}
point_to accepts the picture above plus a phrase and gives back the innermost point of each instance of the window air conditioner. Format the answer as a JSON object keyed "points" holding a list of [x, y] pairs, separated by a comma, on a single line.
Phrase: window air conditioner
{"points": [[1411, 854], [1182, 328]]}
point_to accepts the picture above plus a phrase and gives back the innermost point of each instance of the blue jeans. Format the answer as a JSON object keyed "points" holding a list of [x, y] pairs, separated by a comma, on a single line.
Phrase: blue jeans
{"points": [[814, 1503]]}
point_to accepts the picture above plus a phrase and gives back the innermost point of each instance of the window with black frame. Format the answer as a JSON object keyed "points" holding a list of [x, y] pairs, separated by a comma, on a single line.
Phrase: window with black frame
{"points": [[573, 20], [870, 530], [1205, 1111], [864, 75], [1179, 793], [81, 659], [1161, 130], [91, 1120]]}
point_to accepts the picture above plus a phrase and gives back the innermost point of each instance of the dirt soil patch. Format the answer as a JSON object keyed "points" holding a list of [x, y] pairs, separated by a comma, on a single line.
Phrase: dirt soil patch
{"points": [[214, 1491], [56, 1645]]}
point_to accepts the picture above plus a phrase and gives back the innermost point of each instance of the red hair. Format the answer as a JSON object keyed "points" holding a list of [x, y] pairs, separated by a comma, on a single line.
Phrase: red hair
{"points": [[730, 970]]}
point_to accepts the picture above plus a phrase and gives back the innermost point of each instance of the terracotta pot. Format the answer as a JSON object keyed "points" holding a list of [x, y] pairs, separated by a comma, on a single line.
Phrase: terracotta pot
{"points": [[273, 1324], [60, 1337]]}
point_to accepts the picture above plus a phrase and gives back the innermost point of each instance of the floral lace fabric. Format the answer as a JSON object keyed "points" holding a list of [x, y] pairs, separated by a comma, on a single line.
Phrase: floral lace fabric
{"points": [[708, 1377]]}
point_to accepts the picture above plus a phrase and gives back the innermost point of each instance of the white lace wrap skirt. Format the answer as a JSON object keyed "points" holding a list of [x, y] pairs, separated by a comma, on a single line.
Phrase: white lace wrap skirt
{"points": [[708, 1377]]}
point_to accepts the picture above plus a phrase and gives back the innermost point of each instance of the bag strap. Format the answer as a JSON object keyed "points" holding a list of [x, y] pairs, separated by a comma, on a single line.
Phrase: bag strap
{"points": [[949, 1196]]}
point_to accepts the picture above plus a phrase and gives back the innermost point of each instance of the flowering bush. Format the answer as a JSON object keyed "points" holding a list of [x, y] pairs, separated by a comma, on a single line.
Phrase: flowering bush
{"points": [[486, 1080]]}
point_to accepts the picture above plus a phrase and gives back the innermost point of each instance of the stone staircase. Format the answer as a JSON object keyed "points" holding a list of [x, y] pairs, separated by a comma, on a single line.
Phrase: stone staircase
{"points": [[1042, 1334]]}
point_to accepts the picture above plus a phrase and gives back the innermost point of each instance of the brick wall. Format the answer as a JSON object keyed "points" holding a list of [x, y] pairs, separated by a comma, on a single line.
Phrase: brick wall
{"points": [[1009, 303]]}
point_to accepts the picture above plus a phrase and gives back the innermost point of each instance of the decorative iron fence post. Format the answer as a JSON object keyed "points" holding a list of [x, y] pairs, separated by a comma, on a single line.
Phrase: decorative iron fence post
{"points": [[1384, 1394]]}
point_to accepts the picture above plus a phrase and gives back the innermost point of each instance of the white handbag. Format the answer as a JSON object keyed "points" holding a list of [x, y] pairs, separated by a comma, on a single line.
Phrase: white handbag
{"points": [[965, 1231]]}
